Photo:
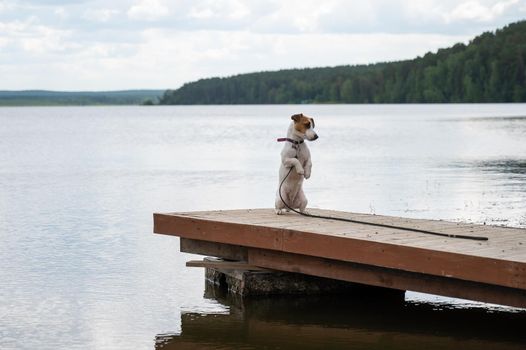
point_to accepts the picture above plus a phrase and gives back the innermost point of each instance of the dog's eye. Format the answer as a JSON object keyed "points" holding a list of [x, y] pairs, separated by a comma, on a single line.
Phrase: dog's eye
{"points": [[307, 125]]}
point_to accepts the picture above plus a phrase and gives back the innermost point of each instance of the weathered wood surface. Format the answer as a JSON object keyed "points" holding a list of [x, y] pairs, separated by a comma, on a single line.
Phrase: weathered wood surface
{"points": [[500, 261], [363, 274], [221, 250], [225, 265], [388, 278]]}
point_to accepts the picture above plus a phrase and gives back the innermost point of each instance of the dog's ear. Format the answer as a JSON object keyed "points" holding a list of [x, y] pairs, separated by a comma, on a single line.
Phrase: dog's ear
{"points": [[312, 122], [296, 117]]}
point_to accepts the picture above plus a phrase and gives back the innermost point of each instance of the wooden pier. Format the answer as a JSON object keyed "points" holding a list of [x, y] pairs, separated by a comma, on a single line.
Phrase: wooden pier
{"points": [[491, 271]]}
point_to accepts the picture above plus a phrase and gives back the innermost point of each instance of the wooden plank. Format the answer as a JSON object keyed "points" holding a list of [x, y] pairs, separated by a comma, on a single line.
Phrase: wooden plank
{"points": [[224, 265], [439, 263], [202, 229], [461, 262], [389, 278], [220, 250], [294, 221]]}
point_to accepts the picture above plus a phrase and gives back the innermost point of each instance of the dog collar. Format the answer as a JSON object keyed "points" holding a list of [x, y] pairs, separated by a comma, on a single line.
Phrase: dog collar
{"points": [[282, 139]]}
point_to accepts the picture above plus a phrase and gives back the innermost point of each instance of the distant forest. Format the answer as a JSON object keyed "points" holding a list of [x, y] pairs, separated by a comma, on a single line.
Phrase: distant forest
{"points": [[78, 98], [491, 68]]}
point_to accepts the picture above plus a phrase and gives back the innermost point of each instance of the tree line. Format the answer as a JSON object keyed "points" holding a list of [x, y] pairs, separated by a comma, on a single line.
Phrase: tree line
{"points": [[491, 68]]}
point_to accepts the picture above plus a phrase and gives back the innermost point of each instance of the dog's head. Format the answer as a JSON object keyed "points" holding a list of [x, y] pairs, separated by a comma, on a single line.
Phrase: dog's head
{"points": [[304, 126]]}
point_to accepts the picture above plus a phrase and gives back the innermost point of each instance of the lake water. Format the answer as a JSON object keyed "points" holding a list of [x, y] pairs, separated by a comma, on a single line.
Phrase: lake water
{"points": [[81, 269]]}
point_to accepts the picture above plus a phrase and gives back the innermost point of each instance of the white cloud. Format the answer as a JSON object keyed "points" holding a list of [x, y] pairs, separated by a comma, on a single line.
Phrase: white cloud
{"points": [[16, 27], [3, 42], [149, 10], [502, 6], [93, 45], [305, 16], [476, 11], [33, 38], [100, 15], [46, 40], [5, 6], [201, 13], [61, 13], [227, 10], [381, 16]]}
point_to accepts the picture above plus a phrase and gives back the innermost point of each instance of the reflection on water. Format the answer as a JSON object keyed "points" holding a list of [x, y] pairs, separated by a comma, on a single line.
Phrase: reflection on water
{"points": [[505, 166], [499, 189], [344, 322]]}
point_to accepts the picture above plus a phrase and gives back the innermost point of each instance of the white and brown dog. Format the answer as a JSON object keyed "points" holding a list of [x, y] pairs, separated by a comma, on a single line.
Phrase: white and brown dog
{"points": [[296, 155]]}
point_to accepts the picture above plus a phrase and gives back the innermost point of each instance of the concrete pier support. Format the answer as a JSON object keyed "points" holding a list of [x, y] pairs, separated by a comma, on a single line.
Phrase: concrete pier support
{"points": [[261, 283]]}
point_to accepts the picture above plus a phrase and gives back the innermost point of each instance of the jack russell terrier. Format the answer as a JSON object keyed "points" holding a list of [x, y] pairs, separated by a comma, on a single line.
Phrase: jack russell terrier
{"points": [[296, 155]]}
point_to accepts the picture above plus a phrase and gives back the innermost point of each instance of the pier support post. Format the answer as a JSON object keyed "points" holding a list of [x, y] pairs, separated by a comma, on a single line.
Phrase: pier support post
{"points": [[268, 282]]}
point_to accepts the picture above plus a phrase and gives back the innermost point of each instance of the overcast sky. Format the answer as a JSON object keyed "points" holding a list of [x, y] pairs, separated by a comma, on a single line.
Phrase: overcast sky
{"points": [[120, 44]]}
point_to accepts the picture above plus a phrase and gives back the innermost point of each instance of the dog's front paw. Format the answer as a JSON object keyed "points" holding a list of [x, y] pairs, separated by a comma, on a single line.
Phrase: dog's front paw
{"points": [[279, 211], [300, 171], [307, 174]]}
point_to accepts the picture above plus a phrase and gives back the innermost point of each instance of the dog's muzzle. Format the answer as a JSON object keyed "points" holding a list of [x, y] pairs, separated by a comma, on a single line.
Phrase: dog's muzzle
{"points": [[311, 135]]}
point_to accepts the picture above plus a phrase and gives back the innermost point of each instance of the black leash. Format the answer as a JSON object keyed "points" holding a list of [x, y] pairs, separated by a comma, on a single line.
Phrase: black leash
{"points": [[475, 238]]}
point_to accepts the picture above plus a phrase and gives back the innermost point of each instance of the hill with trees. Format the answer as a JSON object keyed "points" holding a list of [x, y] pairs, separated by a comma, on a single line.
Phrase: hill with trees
{"points": [[491, 68]]}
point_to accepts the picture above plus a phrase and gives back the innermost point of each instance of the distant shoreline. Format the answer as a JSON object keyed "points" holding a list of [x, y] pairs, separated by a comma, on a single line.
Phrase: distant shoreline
{"points": [[255, 104], [42, 98]]}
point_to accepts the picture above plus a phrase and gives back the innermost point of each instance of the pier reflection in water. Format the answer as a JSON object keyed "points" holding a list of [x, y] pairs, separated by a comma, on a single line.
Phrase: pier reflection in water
{"points": [[344, 322]]}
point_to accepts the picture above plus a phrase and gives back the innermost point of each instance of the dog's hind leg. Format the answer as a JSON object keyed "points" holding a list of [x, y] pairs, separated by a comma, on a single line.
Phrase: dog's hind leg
{"points": [[300, 201], [279, 205]]}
